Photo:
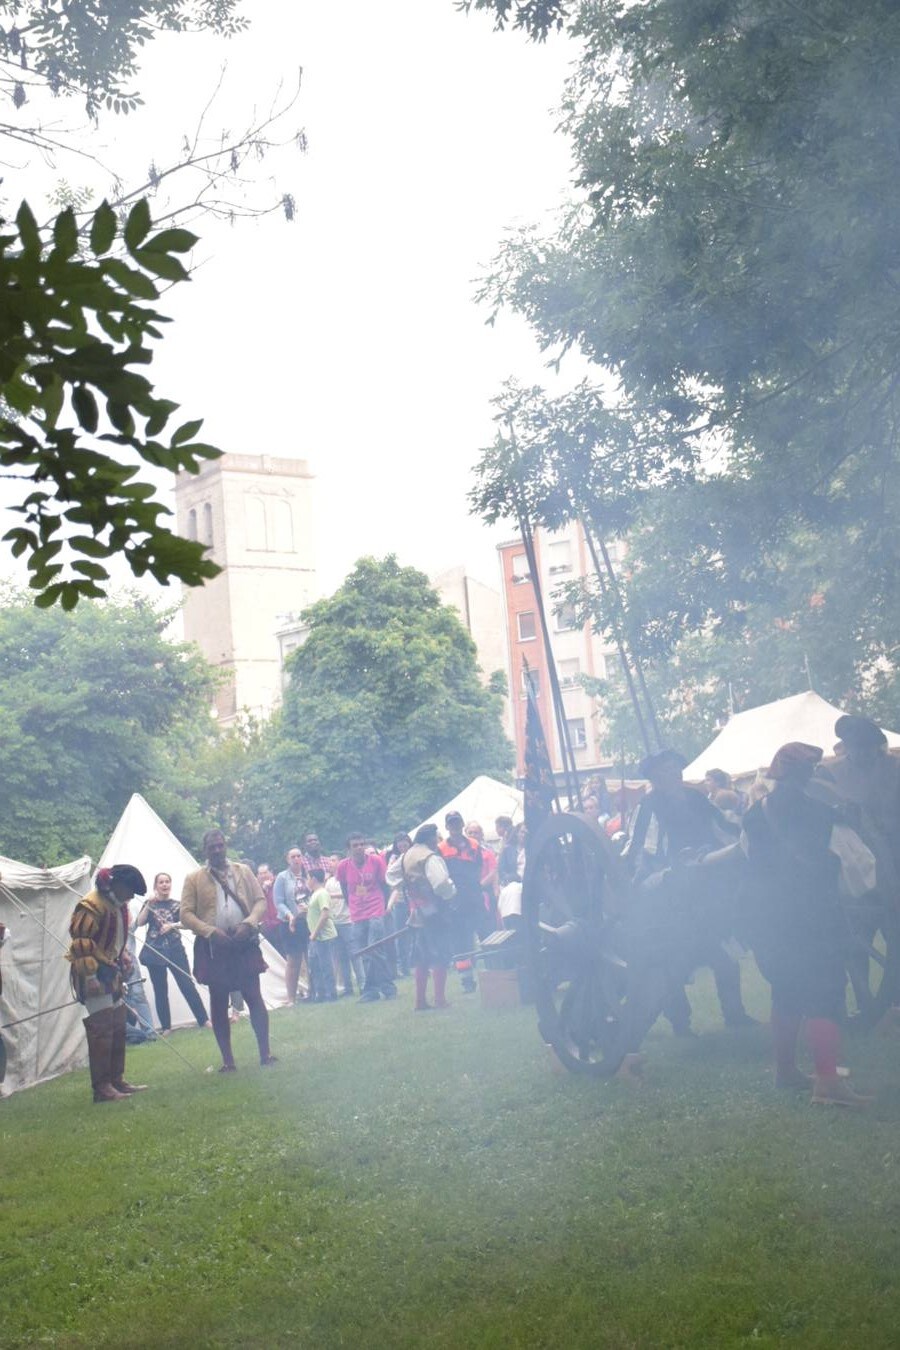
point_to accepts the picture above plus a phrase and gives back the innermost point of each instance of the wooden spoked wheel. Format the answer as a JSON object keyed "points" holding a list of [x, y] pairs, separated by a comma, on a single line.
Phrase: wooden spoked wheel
{"points": [[574, 886], [873, 958]]}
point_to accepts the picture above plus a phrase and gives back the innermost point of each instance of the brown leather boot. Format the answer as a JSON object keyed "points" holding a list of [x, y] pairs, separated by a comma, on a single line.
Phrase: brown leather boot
{"points": [[121, 1086], [836, 1091], [99, 1031]]}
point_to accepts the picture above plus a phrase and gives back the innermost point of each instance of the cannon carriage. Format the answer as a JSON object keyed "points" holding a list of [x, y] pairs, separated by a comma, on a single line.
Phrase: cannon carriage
{"points": [[602, 953]]}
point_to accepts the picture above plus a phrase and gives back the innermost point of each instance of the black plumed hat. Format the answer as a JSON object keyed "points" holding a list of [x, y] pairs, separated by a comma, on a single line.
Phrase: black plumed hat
{"points": [[125, 874]]}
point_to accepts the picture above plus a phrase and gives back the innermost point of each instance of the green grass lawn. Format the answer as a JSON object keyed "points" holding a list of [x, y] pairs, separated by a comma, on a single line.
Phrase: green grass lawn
{"points": [[402, 1180]]}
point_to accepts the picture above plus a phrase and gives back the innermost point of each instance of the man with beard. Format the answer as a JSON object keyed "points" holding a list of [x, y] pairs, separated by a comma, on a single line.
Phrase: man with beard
{"points": [[223, 905]]}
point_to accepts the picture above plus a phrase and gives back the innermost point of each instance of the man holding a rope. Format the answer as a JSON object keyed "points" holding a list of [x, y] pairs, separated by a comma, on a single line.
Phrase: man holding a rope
{"points": [[223, 905]]}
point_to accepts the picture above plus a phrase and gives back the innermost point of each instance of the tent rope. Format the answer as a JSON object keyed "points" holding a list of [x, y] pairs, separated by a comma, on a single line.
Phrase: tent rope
{"points": [[24, 912]]}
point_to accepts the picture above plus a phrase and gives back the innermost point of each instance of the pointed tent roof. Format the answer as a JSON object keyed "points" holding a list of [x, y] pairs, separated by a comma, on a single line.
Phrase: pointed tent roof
{"points": [[483, 800], [749, 740], [144, 840]]}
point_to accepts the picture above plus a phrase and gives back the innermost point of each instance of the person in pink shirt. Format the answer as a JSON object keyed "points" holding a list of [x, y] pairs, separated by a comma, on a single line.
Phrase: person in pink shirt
{"points": [[362, 880]]}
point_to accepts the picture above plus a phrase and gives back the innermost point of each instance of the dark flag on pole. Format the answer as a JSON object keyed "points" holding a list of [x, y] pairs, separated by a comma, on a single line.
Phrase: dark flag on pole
{"points": [[540, 791]]}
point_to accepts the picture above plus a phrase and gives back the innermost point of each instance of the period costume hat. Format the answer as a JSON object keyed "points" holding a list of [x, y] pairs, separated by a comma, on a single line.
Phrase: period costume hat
{"points": [[123, 873], [796, 759], [651, 763], [861, 731]]}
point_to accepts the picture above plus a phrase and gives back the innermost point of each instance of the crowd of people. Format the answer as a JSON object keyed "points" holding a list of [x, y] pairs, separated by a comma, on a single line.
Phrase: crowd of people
{"points": [[347, 927], [775, 865], [353, 925]]}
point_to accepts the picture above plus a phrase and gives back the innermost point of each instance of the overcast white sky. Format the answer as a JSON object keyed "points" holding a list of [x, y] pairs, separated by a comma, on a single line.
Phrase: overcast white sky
{"points": [[350, 337]]}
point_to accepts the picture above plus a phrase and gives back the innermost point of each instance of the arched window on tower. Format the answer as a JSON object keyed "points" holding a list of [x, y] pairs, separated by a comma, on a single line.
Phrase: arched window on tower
{"points": [[207, 525], [281, 526], [255, 516], [192, 524]]}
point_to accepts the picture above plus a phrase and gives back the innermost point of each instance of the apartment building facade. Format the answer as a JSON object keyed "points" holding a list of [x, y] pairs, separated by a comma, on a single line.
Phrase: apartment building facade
{"points": [[561, 556]]}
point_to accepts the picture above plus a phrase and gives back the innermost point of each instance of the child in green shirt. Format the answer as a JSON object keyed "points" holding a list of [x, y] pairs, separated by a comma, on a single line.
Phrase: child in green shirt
{"points": [[322, 933]]}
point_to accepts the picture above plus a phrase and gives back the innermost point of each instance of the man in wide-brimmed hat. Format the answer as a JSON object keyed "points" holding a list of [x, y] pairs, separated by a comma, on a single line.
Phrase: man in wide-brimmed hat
{"points": [[797, 925], [99, 931], [867, 775]]}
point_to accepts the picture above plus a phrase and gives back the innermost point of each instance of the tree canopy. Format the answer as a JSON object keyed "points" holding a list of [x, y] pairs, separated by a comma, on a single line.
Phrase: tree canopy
{"points": [[90, 48], [730, 264], [384, 717], [535, 17], [95, 705]]}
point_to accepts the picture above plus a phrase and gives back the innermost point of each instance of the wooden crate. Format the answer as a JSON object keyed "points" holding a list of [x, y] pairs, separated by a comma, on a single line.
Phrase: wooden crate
{"points": [[499, 988]]}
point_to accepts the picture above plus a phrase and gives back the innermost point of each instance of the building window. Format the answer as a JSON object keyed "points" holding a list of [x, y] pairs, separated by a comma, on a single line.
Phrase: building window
{"points": [[569, 672], [531, 680], [281, 533], [565, 617], [520, 570], [192, 524], [577, 732], [207, 537], [527, 626], [255, 521], [559, 557]]}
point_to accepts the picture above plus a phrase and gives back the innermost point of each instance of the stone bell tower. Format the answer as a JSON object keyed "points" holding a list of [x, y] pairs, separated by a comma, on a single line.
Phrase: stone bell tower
{"points": [[254, 514]]}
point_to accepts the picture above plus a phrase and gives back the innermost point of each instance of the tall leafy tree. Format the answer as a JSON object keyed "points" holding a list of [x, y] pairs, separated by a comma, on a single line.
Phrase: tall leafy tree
{"points": [[384, 718], [730, 262], [95, 705]]}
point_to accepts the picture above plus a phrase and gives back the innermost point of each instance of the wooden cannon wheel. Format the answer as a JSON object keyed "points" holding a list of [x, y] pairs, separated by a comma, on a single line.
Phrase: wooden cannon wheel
{"points": [[573, 887], [873, 958]]}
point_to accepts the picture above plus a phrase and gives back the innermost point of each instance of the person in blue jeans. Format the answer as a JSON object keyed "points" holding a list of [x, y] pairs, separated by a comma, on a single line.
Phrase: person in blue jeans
{"points": [[361, 875], [322, 936]]}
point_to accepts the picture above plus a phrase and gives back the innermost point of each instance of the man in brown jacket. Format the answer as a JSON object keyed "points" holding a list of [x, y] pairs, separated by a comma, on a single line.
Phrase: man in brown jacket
{"points": [[223, 905]]}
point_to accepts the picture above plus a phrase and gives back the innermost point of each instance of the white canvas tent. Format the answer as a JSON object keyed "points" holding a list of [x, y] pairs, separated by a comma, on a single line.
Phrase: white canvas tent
{"points": [[483, 800], [749, 740], [35, 972], [145, 841]]}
